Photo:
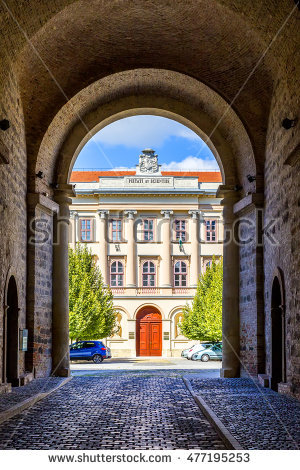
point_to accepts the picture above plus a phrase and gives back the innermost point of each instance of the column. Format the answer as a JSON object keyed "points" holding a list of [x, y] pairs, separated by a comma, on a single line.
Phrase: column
{"points": [[165, 276], [230, 311], [194, 237], [102, 240], [131, 261], [74, 216], [60, 306]]}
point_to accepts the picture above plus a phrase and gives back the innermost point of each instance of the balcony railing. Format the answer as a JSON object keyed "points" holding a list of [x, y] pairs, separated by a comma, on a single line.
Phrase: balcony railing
{"points": [[180, 290], [120, 291], [148, 290]]}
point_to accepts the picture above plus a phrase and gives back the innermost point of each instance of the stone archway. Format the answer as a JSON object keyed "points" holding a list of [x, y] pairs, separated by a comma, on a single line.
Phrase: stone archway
{"points": [[278, 346], [112, 98], [176, 96], [148, 332], [11, 334]]}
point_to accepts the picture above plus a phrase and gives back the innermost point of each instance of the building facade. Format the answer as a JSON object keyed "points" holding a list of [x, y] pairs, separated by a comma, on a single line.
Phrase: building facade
{"points": [[152, 233]]}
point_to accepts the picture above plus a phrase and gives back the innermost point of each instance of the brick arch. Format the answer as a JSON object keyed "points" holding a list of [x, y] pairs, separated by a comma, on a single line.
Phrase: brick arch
{"points": [[148, 91], [147, 40]]}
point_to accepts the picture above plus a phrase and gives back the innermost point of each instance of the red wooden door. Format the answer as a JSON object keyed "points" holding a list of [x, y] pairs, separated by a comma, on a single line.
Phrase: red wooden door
{"points": [[155, 339], [148, 334], [144, 339]]}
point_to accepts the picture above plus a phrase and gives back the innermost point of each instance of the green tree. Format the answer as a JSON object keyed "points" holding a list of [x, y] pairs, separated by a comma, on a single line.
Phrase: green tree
{"points": [[202, 320], [92, 315]]}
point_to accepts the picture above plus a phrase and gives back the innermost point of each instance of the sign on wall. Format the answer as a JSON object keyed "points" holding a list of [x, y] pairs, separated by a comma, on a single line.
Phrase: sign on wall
{"points": [[23, 340]]}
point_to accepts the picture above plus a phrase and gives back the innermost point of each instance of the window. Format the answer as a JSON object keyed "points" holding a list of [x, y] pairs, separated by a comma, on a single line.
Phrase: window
{"points": [[78, 346], [207, 264], [148, 274], [180, 274], [86, 230], [116, 230], [211, 230], [89, 345], [116, 274], [148, 230], [180, 230]]}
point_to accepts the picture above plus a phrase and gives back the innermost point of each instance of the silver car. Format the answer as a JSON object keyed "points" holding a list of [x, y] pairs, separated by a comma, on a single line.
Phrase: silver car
{"points": [[212, 353], [185, 352]]}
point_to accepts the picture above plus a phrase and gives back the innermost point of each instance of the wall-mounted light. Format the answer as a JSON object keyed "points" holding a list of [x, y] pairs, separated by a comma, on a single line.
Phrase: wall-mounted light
{"points": [[289, 123], [251, 178], [4, 124], [40, 175]]}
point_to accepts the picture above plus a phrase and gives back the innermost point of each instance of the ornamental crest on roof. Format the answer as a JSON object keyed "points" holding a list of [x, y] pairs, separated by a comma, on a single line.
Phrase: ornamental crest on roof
{"points": [[148, 162]]}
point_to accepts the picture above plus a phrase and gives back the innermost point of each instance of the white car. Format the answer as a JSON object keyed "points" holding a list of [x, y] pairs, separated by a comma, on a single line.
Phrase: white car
{"points": [[196, 348]]}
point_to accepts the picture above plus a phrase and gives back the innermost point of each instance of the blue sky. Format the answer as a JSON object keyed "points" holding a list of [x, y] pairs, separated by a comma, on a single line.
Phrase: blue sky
{"points": [[119, 144]]}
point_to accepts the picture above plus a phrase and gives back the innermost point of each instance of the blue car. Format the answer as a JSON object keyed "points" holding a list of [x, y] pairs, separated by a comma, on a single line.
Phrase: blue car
{"points": [[94, 351]]}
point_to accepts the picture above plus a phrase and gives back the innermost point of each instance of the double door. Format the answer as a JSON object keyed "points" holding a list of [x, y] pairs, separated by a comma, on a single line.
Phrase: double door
{"points": [[149, 338]]}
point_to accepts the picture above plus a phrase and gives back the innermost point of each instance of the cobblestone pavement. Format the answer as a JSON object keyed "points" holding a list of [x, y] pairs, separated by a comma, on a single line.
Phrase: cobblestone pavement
{"points": [[257, 417], [116, 411], [19, 394]]}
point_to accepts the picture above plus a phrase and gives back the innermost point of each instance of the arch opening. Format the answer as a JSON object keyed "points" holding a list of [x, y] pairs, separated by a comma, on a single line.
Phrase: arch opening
{"points": [[196, 107], [11, 334], [278, 350]]}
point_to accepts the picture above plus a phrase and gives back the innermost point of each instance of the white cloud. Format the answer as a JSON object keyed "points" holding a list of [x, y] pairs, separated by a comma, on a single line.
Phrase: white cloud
{"points": [[187, 164], [191, 164], [143, 131]]}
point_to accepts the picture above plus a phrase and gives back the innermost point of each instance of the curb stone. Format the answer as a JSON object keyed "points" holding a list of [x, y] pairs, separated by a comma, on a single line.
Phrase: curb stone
{"points": [[230, 441], [23, 405]]}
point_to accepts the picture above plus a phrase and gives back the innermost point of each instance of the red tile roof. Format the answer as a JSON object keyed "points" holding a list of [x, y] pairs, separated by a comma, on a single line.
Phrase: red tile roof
{"points": [[93, 176]]}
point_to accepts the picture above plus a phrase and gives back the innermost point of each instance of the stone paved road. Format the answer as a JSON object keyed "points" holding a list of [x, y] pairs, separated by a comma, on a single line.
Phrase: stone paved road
{"points": [[130, 411], [257, 417], [18, 394]]}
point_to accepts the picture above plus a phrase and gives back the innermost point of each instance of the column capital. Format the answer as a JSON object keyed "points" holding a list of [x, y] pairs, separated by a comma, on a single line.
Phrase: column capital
{"points": [[130, 214], [166, 214], [63, 193], [102, 213], [74, 214], [229, 193], [194, 213]]}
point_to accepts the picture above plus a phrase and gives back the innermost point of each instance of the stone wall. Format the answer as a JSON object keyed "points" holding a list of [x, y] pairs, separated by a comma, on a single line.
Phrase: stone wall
{"points": [[251, 293], [39, 292], [282, 210], [12, 202]]}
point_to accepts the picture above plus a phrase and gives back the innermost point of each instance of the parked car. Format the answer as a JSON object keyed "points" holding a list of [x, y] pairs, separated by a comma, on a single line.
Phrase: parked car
{"points": [[214, 352], [94, 351], [184, 353], [198, 347]]}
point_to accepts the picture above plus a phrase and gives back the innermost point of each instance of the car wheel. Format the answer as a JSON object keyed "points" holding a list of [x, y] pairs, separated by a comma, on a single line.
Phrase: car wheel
{"points": [[194, 357], [205, 358], [97, 359]]}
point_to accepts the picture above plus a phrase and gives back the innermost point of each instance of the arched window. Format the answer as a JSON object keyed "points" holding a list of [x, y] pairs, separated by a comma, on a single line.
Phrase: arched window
{"points": [[180, 274], [116, 274], [148, 274]]}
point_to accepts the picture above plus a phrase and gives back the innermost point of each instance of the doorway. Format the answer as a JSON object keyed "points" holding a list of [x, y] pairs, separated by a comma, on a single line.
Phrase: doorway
{"points": [[278, 335], [11, 335], [148, 332]]}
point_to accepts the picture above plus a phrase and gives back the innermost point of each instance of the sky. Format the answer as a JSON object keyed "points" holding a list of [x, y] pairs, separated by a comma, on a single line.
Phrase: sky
{"points": [[119, 144]]}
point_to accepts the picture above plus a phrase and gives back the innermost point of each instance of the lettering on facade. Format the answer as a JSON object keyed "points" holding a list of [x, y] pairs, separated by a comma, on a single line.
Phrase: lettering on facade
{"points": [[149, 180]]}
